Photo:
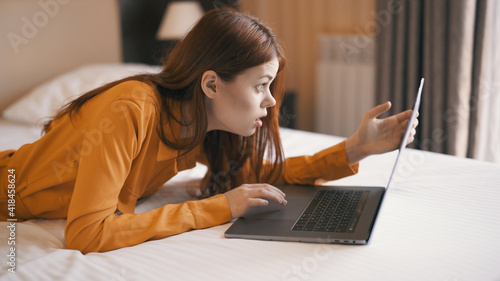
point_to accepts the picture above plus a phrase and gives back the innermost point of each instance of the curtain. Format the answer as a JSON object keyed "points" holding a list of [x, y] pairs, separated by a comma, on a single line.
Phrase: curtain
{"points": [[448, 43], [486, 98]]}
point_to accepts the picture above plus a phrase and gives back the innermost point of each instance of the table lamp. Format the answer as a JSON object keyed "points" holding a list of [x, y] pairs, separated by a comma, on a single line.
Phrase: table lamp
{"points": [[179, 18]]}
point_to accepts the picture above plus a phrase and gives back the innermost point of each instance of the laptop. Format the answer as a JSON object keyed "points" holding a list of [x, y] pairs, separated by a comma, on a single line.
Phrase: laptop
{"points": [[320, 214]]}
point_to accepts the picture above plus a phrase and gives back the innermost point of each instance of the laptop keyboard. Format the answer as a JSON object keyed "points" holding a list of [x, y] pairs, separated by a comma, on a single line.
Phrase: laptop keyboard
{"points": [[332, 211]]}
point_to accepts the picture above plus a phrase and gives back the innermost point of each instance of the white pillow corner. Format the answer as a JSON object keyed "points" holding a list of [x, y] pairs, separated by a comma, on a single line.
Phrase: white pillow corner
{"points": [[43, 101]]}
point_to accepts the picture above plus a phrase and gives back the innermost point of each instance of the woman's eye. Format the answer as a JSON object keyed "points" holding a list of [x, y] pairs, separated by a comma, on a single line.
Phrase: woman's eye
{"points": [[260, 87]]}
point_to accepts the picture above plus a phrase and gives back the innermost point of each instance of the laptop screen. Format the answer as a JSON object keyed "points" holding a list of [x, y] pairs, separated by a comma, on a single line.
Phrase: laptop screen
{"points": [[408, 130]]}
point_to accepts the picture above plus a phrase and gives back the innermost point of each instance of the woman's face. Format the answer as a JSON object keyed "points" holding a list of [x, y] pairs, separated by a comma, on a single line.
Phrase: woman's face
{"points": [[239, 106]]}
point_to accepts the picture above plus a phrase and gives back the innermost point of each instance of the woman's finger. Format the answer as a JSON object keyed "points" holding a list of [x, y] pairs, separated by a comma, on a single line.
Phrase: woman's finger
{"points": [[240, 199], [402, 116], [275, 189], [404, 125], [269, 187], [415, 123], [279, 191], [257, 202], [269, 193], [377, 110], [411, 137]]}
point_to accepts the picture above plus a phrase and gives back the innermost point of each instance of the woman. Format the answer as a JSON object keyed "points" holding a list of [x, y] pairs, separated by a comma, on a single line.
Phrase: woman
{"points": [[216, 102]]}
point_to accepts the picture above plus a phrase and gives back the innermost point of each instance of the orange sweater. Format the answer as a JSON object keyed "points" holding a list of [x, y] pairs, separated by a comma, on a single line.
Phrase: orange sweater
{"points": [[107, 157]]}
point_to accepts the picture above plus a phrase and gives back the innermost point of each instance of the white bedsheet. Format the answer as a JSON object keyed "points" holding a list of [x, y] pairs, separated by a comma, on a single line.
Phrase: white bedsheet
{"points": [[439, 222]]}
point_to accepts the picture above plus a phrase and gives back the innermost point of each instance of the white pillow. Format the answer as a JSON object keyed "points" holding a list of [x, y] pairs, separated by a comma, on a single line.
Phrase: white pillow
{"points": [[43, 101]]}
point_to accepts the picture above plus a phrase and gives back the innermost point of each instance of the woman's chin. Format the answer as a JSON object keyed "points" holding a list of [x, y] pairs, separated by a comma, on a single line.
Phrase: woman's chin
{"points": [[248, 133], [243, 133]]}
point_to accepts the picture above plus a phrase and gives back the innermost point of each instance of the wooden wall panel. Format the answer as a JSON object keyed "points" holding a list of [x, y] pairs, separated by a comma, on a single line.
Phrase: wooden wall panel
{"points": [[298, 23]]}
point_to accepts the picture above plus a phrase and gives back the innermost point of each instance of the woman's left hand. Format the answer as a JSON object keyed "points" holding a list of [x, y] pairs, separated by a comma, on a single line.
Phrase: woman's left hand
{"points": [[375, 136]]}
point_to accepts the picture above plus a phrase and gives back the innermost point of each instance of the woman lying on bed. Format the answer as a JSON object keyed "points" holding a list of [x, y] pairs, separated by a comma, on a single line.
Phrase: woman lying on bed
{"points": [[215, 102]]}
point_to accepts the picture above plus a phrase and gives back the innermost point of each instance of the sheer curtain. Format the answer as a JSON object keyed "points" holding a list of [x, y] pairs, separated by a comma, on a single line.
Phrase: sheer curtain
{"points": [[451, 44], [486, 145]]}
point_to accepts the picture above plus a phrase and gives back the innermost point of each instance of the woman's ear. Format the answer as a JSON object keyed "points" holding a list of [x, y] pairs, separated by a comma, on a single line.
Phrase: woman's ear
{"points": [[208, 83]]}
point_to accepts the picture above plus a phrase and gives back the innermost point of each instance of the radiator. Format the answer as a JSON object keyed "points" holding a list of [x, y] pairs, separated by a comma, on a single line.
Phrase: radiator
{"points": [[345, 83]]}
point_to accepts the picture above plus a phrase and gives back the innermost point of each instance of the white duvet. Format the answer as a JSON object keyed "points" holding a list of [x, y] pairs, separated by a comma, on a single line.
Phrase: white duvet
{"points": [[439, 222]]}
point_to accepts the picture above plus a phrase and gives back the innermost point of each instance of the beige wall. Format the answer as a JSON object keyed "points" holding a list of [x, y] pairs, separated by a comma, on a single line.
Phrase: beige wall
{"points": [[297, 23]]}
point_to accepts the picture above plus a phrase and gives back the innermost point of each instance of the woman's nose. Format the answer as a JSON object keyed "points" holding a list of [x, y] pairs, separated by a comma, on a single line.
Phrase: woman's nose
{"points": [[269, 101]]}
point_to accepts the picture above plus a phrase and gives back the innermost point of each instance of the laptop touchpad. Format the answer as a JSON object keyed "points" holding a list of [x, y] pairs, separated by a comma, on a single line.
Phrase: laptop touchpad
{"points": [[291, 211]]}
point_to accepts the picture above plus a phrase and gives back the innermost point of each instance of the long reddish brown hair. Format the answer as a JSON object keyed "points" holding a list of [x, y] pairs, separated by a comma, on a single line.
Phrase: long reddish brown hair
{"points": [[227, 42]]}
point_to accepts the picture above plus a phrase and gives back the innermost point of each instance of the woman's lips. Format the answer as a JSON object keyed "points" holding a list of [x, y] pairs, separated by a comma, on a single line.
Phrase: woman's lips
{"points": [[258, 122]]}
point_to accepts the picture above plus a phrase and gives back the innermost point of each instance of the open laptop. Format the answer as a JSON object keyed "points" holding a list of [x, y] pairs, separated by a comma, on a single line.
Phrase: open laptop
{"points": [[324, 214]]}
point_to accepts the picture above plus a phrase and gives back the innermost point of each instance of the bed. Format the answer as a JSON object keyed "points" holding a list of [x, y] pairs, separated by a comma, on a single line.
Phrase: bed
{"points": [[439, 221]]}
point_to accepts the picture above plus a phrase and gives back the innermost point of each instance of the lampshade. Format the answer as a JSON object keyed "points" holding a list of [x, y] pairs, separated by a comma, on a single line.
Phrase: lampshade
{"points": [[179, 18]]}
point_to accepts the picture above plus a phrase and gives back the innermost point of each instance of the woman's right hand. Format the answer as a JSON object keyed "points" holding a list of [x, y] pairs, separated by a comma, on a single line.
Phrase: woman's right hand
{"points": [[240, 199], [376, 136]]}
